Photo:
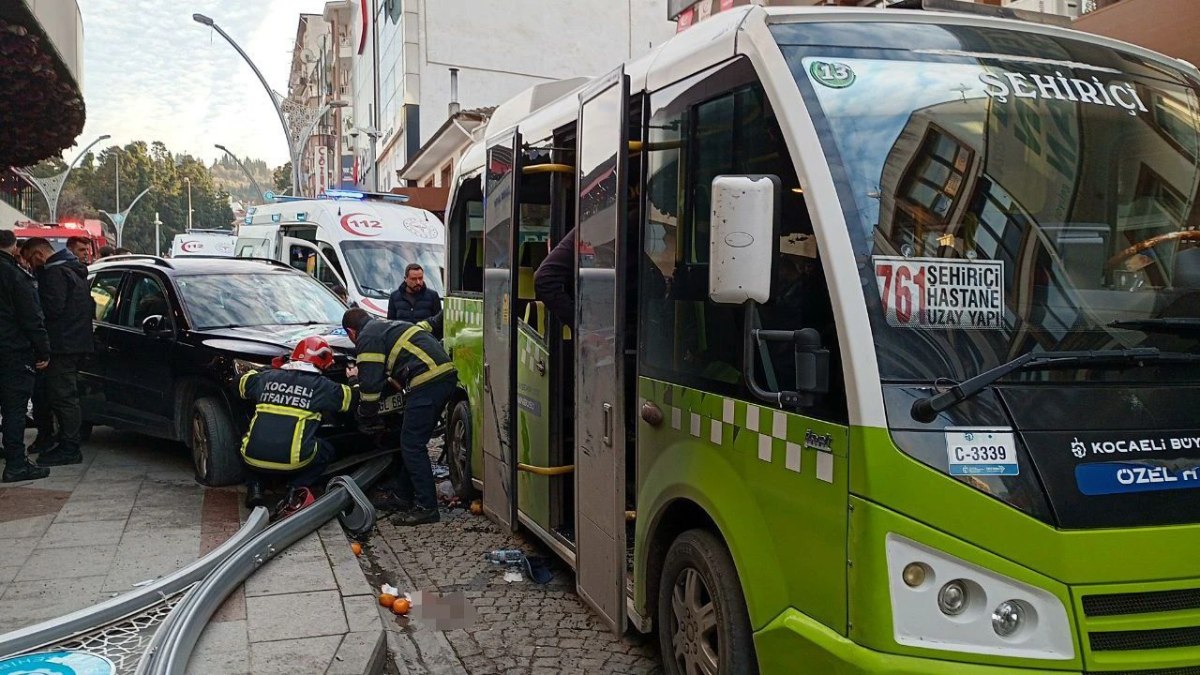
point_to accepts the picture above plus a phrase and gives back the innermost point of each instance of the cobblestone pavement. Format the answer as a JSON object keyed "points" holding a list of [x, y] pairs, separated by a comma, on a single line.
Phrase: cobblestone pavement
{"points": [[520, 626]]}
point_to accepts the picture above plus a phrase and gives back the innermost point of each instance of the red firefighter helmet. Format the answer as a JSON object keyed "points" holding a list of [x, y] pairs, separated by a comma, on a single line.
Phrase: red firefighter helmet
{"points": [[315, 350]]}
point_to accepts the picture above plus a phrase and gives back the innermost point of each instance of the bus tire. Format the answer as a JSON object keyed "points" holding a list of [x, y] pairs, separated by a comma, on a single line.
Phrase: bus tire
{"points": [[215, 455], [703, 624], [458, 450]]}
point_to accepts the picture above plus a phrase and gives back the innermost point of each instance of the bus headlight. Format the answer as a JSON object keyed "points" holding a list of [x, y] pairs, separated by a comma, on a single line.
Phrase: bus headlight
{"points": [[946, 603], [1008, 618], [953, 598]]}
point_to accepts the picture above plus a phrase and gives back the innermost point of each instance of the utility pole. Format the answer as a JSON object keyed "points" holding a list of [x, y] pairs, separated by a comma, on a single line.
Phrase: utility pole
{"points": [[117, 163]]}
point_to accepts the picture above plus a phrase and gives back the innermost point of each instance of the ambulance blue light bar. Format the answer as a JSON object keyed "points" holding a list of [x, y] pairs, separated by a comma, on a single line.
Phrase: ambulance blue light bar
{"points": [[344, 194]]}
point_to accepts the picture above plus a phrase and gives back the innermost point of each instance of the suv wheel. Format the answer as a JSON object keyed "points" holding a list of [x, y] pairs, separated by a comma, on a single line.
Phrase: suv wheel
{"points": [[214, 444]]}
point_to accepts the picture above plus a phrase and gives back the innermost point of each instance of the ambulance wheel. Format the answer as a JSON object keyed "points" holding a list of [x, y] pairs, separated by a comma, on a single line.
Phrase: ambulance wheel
{"points": [[214, 445], [703, 625], [458, 451]]}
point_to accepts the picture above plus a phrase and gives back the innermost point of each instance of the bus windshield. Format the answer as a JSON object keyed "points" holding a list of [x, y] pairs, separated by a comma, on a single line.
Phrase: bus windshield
{"points": [[1008, 193], [377, 267]]}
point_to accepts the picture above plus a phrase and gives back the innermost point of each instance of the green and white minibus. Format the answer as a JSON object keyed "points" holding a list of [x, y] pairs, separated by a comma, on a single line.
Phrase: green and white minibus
{"points": [[883, 355]]}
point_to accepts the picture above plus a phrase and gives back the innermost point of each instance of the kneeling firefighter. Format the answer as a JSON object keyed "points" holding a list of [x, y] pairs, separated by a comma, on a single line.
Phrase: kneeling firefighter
{"points": [[405, 356], [289, 403]]}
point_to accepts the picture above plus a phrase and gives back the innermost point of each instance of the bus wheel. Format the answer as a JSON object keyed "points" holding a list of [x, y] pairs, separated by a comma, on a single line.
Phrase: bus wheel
{"points": [[458, 451], [703, 625]]}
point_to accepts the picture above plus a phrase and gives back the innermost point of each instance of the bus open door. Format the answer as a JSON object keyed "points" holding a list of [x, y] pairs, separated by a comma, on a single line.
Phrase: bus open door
{"points": [[601, 213], [499, 368]]}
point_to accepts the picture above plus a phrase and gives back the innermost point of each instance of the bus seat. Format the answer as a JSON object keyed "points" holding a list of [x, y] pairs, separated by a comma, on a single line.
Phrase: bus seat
{"points": [[538, 311], [525, 289]]}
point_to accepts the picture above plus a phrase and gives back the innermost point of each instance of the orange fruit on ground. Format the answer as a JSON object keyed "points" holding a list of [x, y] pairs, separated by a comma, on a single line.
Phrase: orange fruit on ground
{"points": [[356, 548], [401, 606], [476, 507], [386, 599]]}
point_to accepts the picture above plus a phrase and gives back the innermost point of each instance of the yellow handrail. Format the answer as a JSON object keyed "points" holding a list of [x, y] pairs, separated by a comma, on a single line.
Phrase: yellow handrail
{"points": [[546, 470], [548, 168]]}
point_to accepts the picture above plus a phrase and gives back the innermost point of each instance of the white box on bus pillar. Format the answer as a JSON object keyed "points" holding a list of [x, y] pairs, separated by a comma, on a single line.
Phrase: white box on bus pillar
{"points": [[744, 210]]}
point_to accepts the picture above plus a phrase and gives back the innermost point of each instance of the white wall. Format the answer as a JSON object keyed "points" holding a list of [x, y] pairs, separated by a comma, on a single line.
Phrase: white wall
{"points": [[503, 47], [64, 24]]}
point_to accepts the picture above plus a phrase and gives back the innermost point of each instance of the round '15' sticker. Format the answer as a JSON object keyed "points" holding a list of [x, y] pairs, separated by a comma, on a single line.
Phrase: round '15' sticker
{"points": [[832, 74]]}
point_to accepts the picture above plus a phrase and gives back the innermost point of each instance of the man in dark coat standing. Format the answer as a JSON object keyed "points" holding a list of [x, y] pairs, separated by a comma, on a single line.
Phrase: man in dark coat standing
{"points": [[416, 303], [69, 309], [27, 348]]}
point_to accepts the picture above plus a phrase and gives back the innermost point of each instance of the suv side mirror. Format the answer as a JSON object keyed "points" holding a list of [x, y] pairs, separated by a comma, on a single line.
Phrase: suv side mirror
{"points": [[156, 325], [745, 210]]}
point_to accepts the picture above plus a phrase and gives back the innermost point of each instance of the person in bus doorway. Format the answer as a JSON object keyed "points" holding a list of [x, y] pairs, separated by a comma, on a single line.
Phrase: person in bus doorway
{"points": [[27, 350], [415, 302], [289, 404], [399, 354], [68, 307], [554, 281]]}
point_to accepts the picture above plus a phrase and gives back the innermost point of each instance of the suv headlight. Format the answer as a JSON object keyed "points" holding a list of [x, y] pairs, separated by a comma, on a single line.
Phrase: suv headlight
{"points": [[242, 366], [943, 602]]}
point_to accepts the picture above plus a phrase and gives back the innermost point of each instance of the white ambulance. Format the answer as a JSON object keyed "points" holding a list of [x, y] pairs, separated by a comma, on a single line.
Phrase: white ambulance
{"points": [[204, 243], [362, 241]]}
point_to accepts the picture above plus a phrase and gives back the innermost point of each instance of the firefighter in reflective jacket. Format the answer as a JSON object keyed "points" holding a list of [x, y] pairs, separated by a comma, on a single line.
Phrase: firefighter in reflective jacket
{"points": [[289, 403], [400, 355]]}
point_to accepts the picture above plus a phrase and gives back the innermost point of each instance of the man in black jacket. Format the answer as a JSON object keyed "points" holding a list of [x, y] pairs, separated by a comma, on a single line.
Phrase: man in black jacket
{"points": [[415, 302], [400, 355], [68, 307], [27, 349]]}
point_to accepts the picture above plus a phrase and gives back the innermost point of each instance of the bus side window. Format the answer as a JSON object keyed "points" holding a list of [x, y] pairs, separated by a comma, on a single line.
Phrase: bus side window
{"points": [[465, 259], [723, 124]]}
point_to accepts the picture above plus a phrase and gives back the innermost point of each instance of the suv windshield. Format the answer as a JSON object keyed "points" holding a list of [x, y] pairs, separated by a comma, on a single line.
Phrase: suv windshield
{"points": [[1008, 193], [378, 266], [272, 298]]}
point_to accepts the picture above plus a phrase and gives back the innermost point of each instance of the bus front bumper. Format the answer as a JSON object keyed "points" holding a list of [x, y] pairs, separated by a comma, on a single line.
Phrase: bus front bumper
{"points": [[794, 643]]}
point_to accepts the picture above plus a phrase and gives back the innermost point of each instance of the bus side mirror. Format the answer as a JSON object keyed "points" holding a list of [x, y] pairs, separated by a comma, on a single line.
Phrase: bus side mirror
{"points": [[744, 214]]}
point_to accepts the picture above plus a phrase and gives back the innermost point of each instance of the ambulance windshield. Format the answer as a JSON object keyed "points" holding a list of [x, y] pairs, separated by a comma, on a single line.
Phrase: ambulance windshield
{"points": [[1009, 192]]}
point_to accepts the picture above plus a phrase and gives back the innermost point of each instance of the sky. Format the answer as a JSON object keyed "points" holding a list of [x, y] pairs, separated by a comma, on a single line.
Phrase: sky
{"points": [[152, 73]]}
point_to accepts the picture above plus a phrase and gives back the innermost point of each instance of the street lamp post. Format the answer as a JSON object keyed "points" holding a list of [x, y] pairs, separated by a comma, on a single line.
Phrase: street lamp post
{"points": [[246, 171], [298, 111], [373, 134], [51, 186], [157, 231], [188, 180], [118, 218]]}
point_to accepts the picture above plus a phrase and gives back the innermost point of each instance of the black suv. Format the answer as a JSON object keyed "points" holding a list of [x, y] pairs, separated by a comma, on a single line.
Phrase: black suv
{"points": [[174, 336]]}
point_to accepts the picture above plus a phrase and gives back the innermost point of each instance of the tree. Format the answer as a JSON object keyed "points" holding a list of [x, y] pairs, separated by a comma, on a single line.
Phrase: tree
{"points": [[282, 176]]}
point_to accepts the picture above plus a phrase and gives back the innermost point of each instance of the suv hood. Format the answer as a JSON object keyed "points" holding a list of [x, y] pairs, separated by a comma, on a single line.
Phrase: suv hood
{"points": [[273, 340]]}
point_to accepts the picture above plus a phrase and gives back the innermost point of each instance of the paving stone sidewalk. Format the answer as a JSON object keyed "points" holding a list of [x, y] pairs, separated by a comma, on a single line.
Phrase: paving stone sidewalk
{"points": [[518, 626], [133, 512]]}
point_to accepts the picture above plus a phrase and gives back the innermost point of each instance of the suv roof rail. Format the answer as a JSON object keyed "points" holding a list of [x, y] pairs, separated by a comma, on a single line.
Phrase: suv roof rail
{"points": [[137, 257], [979, 9]]}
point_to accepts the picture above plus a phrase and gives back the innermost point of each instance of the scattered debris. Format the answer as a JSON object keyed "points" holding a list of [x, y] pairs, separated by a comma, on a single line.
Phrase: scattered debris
{"points": [[512, 576], [440, 471], [147, 582]]}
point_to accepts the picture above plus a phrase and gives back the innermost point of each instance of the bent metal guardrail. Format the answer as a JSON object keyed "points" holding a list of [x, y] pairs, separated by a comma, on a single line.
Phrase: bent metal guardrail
{"points": [[111, 611], [172, 645]]}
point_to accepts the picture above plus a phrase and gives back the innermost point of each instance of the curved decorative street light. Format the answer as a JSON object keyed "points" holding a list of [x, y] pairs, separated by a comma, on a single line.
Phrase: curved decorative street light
{"points": [[257, 187], [305, 117], [51, 186]]}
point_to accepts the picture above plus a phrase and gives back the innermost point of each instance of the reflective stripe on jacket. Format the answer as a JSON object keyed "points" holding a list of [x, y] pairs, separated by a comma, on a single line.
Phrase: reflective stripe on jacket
{"points": [[405, 352], [287, 413]]}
